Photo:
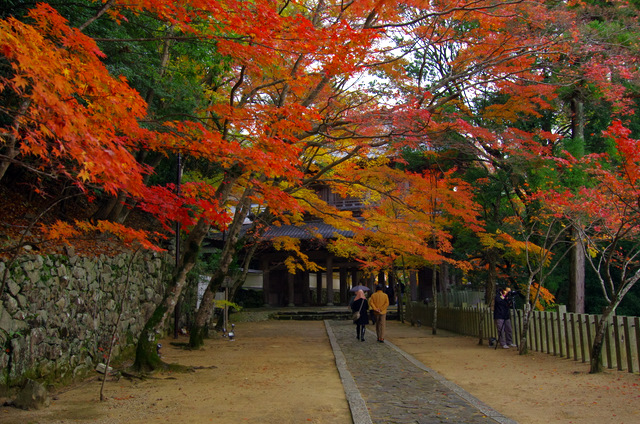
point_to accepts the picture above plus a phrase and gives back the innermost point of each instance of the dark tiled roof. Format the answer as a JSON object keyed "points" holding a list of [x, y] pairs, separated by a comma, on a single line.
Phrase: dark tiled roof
{"points": [[306, 231]]}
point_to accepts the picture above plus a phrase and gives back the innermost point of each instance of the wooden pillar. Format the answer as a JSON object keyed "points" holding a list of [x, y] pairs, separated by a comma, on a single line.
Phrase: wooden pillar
{"points": [[290, 282], [444, 283], [355, 280], [344, 286], [329, 264], [413, 283], [319, 288], [265, 282], [305, 289]]}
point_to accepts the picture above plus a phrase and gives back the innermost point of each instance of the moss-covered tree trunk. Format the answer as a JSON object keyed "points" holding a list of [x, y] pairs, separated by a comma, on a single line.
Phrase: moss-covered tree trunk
{"points": [[577, 281], [146, 353], [147, 358], [199, 330], [595, 364], [523, 347]]}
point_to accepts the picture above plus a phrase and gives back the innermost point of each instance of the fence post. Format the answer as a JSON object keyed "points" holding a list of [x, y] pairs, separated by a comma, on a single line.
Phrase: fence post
{"points": [[517, 326], [475, 322], [554, 337], [567, 334], [607, 341], [627, 337], [546, 316], [636, 324], [574, 336], [590, 335], [488, 322], [533, 330], [562, 310], [581, 334], [619, 342], [541, 337]]}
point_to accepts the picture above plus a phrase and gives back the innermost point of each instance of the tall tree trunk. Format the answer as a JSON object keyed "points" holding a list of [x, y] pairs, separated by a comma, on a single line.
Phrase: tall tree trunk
{"points": [[146, 355], [245, 268], [401, 293], [113, 208], [595, 365], [105, 206], [576, 284], [577, 124], [444, 283], [147, 358], [10, 149], [118, 207], [526, 319], [490, 286], [523, 346], [237, 283], [489, 292], [577, 287], [434, 291], [199, 329]]}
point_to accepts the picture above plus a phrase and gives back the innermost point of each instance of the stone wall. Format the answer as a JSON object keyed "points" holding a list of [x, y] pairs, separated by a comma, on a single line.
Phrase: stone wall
{"points": [[58, 313]]}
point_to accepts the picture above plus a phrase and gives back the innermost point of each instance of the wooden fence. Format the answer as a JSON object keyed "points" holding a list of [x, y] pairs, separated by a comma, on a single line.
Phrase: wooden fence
{"points": [[558, 333], [461, 297]]}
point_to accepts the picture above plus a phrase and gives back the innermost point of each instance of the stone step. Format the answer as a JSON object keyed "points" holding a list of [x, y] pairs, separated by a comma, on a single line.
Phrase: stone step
{"points": [[320, 315], [311, 315]]}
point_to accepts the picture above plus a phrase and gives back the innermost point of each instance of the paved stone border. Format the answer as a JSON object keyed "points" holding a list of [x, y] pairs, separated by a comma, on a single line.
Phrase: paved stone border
{"points": [[482, 407], [359, 411]]}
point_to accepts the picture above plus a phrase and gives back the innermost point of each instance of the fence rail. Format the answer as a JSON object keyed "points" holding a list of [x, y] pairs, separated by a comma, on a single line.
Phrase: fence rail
{"points": [[558, 333]]}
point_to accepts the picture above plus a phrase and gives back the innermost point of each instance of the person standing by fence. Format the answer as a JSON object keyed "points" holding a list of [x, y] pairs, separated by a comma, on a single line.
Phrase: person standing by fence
{"points": [[379, 302], [501, 316]]}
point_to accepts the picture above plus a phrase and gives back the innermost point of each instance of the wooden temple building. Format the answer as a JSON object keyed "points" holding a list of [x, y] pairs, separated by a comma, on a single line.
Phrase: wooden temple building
{"points": [[331, 286]]}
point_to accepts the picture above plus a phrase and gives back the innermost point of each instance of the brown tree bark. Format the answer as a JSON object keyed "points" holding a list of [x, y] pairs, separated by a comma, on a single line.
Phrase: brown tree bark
{"points": [[577, 285], [147, 358], [199, 328], [146, 355]]}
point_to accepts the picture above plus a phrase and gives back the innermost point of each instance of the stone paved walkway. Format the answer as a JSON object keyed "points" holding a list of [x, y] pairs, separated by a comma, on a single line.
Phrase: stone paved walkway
{"points": [[385, 385]]}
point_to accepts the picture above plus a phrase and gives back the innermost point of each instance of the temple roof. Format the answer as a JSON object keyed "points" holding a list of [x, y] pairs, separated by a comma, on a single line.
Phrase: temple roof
{"points": [[307, 231]]}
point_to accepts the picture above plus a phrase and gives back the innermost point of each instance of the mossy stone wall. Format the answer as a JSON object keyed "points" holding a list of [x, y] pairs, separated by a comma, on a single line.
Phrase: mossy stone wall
{"points": [[57, 313]]}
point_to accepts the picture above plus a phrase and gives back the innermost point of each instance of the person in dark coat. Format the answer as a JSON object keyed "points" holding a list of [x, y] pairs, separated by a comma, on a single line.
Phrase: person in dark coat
{"points": [[361, 305], [501, 316]]}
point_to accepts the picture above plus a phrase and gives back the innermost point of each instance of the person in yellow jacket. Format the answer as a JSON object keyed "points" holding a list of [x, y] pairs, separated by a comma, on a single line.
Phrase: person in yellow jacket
{"points": [[378, 303]]}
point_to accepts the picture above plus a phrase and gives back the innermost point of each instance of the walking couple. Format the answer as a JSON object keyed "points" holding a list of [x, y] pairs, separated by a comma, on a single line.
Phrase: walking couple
{"points": [[378, 304]]}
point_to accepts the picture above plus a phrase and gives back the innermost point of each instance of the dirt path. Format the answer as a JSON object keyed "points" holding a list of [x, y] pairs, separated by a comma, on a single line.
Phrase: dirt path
{"points": [[531, 389], [274, 372], [284, 372]]}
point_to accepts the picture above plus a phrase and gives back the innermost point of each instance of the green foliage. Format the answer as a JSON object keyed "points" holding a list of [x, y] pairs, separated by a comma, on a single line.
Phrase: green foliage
{"points": [[208, 262], [135, 48], [15, 8]]}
